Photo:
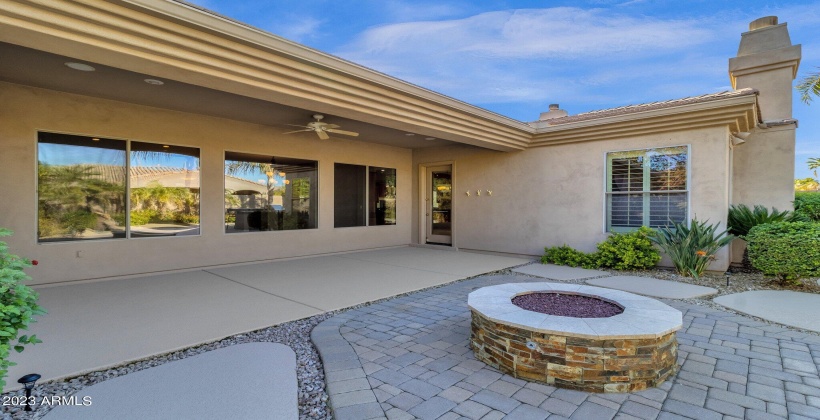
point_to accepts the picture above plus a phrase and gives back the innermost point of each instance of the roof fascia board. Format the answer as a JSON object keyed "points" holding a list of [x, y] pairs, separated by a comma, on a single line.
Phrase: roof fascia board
{"points": [[106, 33], [739, 114], [201, 19], [711, 105]]}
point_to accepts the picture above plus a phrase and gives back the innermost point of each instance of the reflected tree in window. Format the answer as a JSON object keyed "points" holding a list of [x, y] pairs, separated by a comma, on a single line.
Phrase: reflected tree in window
{"points": [[80, 188], [265, 193]]}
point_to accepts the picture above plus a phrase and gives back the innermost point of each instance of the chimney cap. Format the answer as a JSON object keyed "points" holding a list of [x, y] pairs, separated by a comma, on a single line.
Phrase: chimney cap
{"points": [[763, 22]]}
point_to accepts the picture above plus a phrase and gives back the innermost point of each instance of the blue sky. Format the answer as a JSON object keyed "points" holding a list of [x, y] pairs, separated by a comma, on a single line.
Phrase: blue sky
{"points": [[517, 57]]}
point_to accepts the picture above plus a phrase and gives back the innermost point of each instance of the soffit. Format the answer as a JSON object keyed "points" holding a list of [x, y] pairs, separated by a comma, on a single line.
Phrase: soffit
{"points": [[173, 41], [41, 69]]}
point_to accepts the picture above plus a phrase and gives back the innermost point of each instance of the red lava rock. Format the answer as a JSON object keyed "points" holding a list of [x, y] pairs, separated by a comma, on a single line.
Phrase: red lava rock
{"points": [[34, 262], [564, 304]]}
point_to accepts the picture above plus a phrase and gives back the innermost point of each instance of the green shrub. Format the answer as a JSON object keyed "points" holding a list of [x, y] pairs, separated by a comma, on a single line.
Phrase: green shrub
{"points": [[185, 218], [75, 222], [691, 249], [566, 255], [628, 251], [141, 217], [18, 306], [742, 219], [788, 251], [807, 204]]}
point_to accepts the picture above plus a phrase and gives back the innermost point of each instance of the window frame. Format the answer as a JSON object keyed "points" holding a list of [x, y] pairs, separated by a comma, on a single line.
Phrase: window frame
{"points": [[367, 203], [259, 153], [126, 185], [646, 192]]}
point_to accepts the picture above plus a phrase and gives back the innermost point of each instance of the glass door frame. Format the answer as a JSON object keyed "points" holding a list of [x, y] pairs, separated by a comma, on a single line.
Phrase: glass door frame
{"points": [[425, 192]]}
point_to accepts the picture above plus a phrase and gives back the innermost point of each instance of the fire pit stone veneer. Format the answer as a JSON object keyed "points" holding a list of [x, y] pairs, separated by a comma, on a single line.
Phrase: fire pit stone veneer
{"points": [[631, 351]]}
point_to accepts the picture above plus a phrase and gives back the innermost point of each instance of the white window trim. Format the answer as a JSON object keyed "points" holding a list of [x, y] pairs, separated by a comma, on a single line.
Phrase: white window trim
{"points": [[606, 180]]}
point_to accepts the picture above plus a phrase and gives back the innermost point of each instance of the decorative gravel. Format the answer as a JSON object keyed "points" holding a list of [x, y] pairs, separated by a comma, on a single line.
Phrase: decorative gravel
{"points": [[565, 304], [296, 334]]}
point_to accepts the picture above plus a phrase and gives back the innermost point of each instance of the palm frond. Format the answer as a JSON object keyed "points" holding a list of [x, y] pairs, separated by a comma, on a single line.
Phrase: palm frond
{"points": [[810, 85]]}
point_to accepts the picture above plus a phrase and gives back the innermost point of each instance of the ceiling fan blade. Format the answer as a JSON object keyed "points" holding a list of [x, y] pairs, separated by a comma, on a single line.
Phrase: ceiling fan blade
{"points": [[297, 125], [322, 135], [297, 131], [331, 126], [346, 133]]}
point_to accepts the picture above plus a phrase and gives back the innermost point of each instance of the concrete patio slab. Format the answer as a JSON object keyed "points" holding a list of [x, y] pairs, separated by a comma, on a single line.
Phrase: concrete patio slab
{"points": [[338, 281], [653, 287], [559, 272], [467, 264], [96, 325], [332, 282], [245, 381], [788, 308]]}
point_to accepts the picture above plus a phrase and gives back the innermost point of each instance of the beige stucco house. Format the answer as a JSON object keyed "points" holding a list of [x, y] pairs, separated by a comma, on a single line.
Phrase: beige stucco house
{"points": [[136, 83]]}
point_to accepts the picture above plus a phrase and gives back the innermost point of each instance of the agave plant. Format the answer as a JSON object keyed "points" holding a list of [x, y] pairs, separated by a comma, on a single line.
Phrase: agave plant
{"points": [[742, 219], [691, 249]]}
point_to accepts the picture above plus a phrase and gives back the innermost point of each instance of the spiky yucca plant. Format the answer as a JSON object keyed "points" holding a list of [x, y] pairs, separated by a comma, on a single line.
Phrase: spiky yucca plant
{"points": [[742, 219], [691, 249]]}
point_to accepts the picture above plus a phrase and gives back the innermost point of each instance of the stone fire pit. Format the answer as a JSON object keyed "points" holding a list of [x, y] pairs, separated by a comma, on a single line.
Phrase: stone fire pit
{"points": [[631, 351]]}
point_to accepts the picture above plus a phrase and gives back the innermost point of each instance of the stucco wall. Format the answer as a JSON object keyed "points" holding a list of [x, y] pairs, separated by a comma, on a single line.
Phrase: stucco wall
{"points": [[25, 110], [550, 196]]}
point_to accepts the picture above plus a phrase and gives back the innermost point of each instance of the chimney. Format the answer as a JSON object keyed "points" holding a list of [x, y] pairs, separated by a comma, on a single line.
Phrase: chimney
{"points": [[767, 61], [554, 112]]}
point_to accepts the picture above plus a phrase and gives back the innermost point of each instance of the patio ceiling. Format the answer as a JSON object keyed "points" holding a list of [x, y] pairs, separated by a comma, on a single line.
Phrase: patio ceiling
{"points": [[31, 67]]}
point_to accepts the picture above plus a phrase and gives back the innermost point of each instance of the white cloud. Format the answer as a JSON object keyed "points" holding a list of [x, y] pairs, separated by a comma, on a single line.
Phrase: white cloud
{"points": [[297, 28], [536, 33], [540, 55]]}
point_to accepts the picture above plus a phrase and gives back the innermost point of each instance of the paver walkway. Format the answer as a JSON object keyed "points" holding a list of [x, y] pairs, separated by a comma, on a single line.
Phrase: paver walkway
{"points": [[409, 357]]}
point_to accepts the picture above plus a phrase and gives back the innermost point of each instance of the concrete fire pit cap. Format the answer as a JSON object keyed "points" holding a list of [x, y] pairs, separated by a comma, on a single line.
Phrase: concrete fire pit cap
{"points": [[642, 317]]}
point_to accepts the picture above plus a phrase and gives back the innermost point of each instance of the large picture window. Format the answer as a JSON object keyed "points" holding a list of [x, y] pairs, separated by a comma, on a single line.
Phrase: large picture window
{"points": [[163, 190], [82, 183], [646, 188], [264, 193]]}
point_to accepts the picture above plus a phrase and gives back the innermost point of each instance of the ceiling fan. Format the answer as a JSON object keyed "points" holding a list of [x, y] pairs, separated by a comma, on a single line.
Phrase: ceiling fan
{"points": [[321, 128]]}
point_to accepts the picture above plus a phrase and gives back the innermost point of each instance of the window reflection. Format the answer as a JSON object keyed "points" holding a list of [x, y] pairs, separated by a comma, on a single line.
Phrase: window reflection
{"points": [[382, 209], [80, 188], [264, 193], [164, 190]]}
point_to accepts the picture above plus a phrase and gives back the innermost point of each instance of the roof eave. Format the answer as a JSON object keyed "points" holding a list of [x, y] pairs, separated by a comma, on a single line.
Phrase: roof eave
{"points": [[738, 113]]}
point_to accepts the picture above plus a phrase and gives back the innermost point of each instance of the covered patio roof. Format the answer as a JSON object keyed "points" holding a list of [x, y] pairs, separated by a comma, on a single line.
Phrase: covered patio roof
{"points": [[216, 66]]}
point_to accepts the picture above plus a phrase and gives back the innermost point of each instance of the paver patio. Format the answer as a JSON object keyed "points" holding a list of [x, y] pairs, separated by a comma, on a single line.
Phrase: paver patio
{"points": [[409, 357]]}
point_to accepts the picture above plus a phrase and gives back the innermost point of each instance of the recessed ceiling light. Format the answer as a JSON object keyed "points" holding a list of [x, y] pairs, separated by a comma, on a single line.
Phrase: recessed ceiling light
{"points": [[429, 138], [154, 82], [95, 139], [165, 146], [409, 134], [79, 66]]}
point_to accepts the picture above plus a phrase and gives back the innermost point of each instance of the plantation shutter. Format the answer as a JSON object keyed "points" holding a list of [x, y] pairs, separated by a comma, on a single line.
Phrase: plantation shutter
{"points": [[646, 188]]}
